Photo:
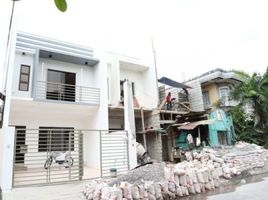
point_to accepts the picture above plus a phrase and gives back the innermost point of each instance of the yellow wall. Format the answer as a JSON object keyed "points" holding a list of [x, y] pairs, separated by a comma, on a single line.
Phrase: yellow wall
{"points": [[213, 92]]}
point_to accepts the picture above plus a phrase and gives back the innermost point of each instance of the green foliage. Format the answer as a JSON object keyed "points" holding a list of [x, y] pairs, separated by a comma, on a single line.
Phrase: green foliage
{"points": [[61, 5], [254, 92]]}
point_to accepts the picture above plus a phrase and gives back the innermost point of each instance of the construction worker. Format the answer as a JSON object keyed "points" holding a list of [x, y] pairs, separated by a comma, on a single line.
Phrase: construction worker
{"points": [[168, 101]]}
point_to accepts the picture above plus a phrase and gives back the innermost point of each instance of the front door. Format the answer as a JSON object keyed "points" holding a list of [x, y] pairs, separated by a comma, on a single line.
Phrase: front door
{"points": [[222, 137]]}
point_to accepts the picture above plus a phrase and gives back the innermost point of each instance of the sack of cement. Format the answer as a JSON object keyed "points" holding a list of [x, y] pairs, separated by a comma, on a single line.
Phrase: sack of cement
{"points": [[183, 181], [185, 190], [149, 185], [191, 189], [164, 186], [217, 183], [203, 187], [192, 174], [216, 159], [214, 174], [106, 193], [143, 192], [116, 193], [178, 171], [97, 192], [177, 179], [158, 191], [197, 188], [200, 177], [126, 187], [178, 190], [169, 173], [172, 187], [135, 192], [189, 180], [205, 174], [212, 184], [208, 186], [220, 171]]}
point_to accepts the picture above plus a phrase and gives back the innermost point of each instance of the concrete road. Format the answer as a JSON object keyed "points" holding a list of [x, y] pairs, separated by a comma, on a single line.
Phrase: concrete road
{"points": [[256, 190], [252, 188]]}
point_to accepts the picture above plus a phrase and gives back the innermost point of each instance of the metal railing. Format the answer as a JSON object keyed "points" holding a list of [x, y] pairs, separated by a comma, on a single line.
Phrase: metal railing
{"points": [[67, 93]]}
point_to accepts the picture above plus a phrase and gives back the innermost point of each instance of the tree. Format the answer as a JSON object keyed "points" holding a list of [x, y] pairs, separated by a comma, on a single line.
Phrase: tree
{"points": [[253, 92]]}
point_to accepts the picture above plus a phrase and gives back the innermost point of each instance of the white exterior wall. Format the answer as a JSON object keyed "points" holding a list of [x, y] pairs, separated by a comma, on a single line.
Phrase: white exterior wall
{"points": [[20, 59], [100, 118], [113, 82], [144, 79]]}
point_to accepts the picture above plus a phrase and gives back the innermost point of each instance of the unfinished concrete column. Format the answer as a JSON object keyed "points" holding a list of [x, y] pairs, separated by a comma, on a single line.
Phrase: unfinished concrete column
{"points": [[129, 121]]}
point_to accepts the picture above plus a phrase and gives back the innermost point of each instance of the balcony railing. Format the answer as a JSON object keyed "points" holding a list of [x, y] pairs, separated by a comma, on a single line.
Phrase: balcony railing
{"points": [[66, 93]]}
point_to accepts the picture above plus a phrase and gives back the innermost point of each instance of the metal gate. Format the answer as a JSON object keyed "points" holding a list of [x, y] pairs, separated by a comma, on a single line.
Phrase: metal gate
{"points": [[47, 155], [114, 152]]}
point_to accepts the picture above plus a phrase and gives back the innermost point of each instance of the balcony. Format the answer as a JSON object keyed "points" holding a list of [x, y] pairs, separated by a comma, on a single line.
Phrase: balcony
{"points": [[66, 93]]}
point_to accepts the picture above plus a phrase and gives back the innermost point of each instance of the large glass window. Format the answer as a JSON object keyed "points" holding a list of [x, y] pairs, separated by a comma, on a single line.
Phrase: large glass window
{"points": [[24, 78], [60, 85]]}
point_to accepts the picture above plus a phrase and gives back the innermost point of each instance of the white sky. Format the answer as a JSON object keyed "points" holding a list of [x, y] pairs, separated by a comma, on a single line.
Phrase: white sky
{"points": [[190, 36]]}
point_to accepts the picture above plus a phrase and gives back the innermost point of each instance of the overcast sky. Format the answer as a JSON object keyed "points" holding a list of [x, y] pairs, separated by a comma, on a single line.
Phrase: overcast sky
{"points": [[190, 36]]}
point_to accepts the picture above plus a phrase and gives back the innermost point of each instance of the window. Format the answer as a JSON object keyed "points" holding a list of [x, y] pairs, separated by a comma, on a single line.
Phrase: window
{"points": [[24, 78], [60, 85], [55, 139], [133, 88], [20, 143], [206, 99], [225, 95], [122, 91]]}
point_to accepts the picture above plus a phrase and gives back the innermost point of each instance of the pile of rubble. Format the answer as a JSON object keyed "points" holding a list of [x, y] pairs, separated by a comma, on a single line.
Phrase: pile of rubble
{"points": [[202, 171]]}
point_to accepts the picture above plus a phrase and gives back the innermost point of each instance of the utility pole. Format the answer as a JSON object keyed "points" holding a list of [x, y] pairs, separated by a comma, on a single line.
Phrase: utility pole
{"points": [[155, 69], [8, 66]]}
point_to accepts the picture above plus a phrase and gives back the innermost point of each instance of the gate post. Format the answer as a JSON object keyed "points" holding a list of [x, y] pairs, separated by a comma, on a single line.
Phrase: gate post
{"points": [[80, 154], [7, 157]]}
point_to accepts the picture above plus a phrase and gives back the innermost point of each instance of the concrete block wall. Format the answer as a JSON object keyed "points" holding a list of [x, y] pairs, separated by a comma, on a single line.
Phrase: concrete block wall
{"points": [[153, 120], [154, 145]]}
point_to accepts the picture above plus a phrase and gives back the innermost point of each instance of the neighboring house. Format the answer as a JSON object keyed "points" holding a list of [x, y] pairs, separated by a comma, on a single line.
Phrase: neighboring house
{"points": [[214, 88], [211, 92], [203, 115]]}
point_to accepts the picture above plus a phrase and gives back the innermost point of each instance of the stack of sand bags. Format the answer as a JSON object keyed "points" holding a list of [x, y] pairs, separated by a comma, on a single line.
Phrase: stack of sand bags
{"points": [[201, 171]]}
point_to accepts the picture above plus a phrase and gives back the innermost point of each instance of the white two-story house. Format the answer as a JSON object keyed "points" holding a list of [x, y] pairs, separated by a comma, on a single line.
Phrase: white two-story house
{"points": [[56, 126]]}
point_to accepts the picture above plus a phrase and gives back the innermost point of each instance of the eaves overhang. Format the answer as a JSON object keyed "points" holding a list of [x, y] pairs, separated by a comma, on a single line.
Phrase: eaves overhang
{"points": [[57, 50]]}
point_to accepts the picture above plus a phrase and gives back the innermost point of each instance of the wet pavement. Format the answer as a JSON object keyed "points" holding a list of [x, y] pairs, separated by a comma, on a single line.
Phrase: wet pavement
{"points": [[251, 188]]}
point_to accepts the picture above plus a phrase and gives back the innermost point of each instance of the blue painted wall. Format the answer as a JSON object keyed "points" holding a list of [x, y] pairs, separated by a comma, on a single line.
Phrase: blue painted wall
{"points": [[223, 122]]}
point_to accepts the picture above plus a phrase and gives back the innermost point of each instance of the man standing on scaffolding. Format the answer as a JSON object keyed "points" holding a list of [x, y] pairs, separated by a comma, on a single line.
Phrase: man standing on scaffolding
{"points": [[168, 100]]}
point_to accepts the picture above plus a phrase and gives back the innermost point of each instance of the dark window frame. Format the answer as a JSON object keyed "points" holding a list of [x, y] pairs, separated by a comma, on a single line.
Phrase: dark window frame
{"points": [[23, 73], [133, 88]]}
